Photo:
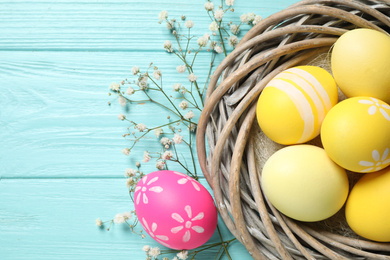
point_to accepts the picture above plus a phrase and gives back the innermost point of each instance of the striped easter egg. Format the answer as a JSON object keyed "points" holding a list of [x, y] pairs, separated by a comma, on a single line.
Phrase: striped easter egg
{"points": [[292, 106]]}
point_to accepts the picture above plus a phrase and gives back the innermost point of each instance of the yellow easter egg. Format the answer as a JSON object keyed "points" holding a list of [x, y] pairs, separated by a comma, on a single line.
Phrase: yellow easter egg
{"points": [[302, 182], [368, 207], [360, 64], [292, 106], [356, 134]]}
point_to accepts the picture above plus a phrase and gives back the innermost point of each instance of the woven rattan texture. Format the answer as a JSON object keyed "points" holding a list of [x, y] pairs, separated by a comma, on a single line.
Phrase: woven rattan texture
{"points": [[280, 41]]}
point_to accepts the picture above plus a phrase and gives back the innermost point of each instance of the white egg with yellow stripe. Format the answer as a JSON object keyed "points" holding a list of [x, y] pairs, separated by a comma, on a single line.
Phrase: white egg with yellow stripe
{"points": [[292, 106]]}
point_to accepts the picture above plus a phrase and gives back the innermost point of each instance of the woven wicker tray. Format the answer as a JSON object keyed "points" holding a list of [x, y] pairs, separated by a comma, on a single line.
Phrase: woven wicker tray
{"points": [[280, 41]]}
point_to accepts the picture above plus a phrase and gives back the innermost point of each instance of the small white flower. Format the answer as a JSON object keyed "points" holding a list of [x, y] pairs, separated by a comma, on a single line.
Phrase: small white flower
{"points": [[233, 40], [121, 117], [202, 41], [158, 132], [130, 91], [165, 141], [154, 252], [140, 127], [213, 26], [181, 68], [175, 258], [192, 127], [183, 105], [129, 182], [209, 6], [218, 49], [192, 77], [177, 139], [143, 82], [251, 17], [129, 172], [189, 115], [257, 19], [170, 24], [234, 28], [126, 151], [167, 155], [229, 2], [176, 87], [218, 14], [157, 74], [163, 15], [207, 36], [160, 165], [138, 164], [168, 46], [119, 218], [147, 156], [146, 248], [99, 222], [244, 18], [115, 86], [122, 101], [183, 255], [212, 44], [135, 70], [127, 215], [189, 24]]}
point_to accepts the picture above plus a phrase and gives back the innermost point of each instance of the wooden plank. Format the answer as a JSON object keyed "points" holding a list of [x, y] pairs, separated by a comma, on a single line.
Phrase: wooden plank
{"points": [[106, 25], [54, 219], [54, 117]]}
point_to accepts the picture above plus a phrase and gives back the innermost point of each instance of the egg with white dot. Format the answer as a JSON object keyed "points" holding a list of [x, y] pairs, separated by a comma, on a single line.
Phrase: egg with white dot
{"points": [[175, 210], [292, 106]]}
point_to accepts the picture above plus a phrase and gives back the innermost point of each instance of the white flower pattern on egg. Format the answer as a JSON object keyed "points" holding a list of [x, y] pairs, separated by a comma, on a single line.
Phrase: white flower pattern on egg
{"points": [[142, 190], [186, 179], [375, 106], [152, 230], [187, 224], [378, 163]]}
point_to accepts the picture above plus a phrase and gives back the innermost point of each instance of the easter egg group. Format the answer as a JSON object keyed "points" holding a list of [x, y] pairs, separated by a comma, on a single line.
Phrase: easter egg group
{"points": [[310, 183]]}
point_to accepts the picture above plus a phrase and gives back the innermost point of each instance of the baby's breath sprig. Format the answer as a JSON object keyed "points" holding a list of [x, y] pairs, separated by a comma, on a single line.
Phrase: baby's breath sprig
{"points": [[183, 106], [155, 252]]}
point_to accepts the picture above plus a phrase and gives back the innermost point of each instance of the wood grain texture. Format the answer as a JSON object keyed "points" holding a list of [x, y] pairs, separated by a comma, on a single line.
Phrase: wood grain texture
{"points": [[65, 25], [55, 118], [54, 219], [61, 164]]}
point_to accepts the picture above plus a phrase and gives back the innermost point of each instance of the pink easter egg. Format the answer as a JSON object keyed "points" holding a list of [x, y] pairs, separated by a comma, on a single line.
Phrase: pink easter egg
{"points": [[175, 210]]}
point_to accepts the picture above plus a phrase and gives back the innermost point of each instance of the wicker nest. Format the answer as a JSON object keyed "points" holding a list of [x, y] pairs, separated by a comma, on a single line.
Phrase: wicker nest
{"points": [[280, 41]]}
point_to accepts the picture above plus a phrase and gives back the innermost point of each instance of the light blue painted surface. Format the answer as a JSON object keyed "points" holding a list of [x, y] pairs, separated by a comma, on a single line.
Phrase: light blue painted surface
{"points": [[60, 156]]}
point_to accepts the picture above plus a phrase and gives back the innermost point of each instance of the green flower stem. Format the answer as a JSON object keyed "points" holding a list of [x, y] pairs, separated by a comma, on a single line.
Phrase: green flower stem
{"points": [[150, 129], [170, 101], [189, 69], [185, 168], [208, 75], [192, 153], [188, 43], [219, 251], [220, 36], [196, 103], [223, 244], [150, 100]]}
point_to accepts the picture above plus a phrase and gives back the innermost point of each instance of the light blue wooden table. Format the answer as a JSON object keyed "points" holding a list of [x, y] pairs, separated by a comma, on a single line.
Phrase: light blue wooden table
{"points": [[61, 164]]}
